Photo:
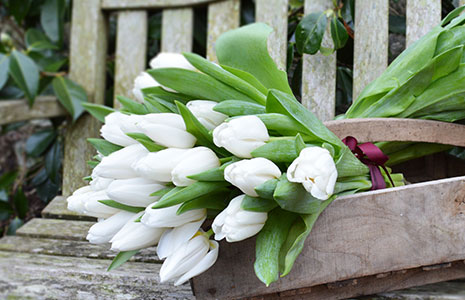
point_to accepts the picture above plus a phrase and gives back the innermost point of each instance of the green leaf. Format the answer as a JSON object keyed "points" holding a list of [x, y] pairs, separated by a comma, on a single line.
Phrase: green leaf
{"points": [[195, 84], [114, 204], [52, 19], [121, 258], [247, 77], [452, 15], [98, 111], [37, 41], [71, 95], [53, 160], [21, 203], [39, 141], [284, 125], [293, 197], [19, 9], [215, 174], [4, 66], [215, 201], [25, 74], [184, 194], [161, 105], [5, 206], [266, 189], [14, 225], [309, 33], [246, 49], [338, 33], [92, 163], [159, 92], [132, 106], [258, 204], [239, 108], [281, 150], [164, 191], [103, 146], [269, 243], [7, 180], [145, 141]]}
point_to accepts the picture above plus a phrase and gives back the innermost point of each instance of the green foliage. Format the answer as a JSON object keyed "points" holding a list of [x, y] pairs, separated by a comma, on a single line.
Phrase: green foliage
{"points": [[117, 205], [121, 258]]}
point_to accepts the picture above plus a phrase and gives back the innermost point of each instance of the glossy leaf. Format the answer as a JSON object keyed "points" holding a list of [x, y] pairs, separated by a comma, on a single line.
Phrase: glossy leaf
{"points": [[71, 95], [309, 33], [338, 33], [98, 111], [215, 201], [161, 93], [53, 160], [114, 204], [257, 204], [21, 203], [4, 66], [39, 141], [247, 77], [104, 147], [266, 189], [293, 197], [215, 174], [121, 258], [37, 41], [25, 74], [132, 106], [146, 142], [52, 19], [234, 108]]}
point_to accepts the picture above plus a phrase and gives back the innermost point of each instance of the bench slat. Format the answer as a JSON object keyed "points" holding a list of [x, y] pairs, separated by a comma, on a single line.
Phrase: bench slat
{"points": [[38, 276], [18, 110], [56, 229], [177, 30], [125, 4], [131, 44], [222, 16], [370, 42], [318, 86], [421, 17]]}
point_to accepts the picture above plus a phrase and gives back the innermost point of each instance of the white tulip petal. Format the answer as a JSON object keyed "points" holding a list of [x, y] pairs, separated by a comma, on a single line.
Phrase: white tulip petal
{"points": [[159, 165], [170, 60], [243, 233], [195, 161], [103, 231], [134, 191], [144, 80], [167, 217], [77, 199], [168, 136], [118, 164], [203, 111]]}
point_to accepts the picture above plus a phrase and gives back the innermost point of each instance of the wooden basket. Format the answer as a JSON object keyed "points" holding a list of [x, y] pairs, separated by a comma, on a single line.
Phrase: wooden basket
{"points": [[369, 242]]}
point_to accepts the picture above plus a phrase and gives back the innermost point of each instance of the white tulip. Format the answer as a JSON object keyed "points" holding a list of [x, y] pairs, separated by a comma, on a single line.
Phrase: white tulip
{"points": [[173, 238], [117, 125], [190, 259], [170, 60], [77, 199], [194, 161], [315, 169], [135, 235], [167, 217], [237, 224], [103, 231], [203, 111], [241, 135], [99, 183], [133, 191], [94, 208], [118, 164], [159, 165], [142, 81], [247, 174], [167, 129]]}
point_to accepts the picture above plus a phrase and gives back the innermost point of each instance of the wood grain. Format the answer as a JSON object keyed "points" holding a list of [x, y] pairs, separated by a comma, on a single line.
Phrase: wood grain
{"points": [[319, 72], [222, 16], [357, 236], [55, 229], [370, 50], [392, 129], [18, 110], [177, 30], [58, 209], [422, 16], [131, 45], [132, 4]]}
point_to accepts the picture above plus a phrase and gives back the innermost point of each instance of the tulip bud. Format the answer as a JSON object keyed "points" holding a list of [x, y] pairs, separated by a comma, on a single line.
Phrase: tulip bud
{"points": [[203, 111], [167, 129], [315, 169], [167, 217], [237, 224], [103, 231], [194, 161], [118, 164], [142, 81], [133, 191], [170, 60], [135, 235], [77, 199], [94, 208], [99, 183], [158, 165], [173, 238], [241, 135], [247, 174], [117, 125], [191, 259]]}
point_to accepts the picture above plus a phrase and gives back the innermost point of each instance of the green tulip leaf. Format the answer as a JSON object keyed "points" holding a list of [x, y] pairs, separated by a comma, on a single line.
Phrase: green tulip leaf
{"points": [[121, 258], [258, 204], [71, 95], [25, 74], [98, 111], [117, 205], [145, 141], [293, 197], [104, 147], [234, 108], [215, 201], [132, 106]]}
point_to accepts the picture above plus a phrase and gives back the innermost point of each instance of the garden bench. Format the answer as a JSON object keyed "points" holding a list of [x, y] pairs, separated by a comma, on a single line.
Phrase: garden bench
{"points": [[49, 257]]}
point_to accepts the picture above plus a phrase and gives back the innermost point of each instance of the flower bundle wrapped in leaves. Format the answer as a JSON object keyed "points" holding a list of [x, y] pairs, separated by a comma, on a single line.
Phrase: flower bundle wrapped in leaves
{"points": [[227, 142]]}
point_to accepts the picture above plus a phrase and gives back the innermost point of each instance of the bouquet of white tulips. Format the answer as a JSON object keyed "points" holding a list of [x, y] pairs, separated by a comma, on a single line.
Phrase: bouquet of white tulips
{"points": [[228, 143]]}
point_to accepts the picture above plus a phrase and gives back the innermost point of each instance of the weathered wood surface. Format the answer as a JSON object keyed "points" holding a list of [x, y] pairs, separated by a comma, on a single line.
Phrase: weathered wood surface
{"points": [[55, 229], [370, 42], [319, 73], [222, 16], [357, 236], [131, 4], [88, 52], [131, 45], [19, 110], [57, 209], [392, 129], [452, 290], [177, 30], [422, 15], [274, 13], [37, 276]]}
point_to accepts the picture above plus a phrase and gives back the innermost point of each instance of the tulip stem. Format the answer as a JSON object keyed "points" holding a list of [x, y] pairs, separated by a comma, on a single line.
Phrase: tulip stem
{"points": [[209, 233]]}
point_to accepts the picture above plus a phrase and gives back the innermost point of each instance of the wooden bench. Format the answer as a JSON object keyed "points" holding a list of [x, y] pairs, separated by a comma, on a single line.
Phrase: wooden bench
{"points": [[49, 257]]}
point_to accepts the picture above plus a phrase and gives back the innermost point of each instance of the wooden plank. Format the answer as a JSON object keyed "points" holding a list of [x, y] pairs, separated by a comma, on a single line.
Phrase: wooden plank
{"points": [[34, 276], [370, 50], [222, 16], [421, 17], [18, 110], [319, 73], [274, 13], [134, 4], [69, 248], [57, 209], [393, 129], [356, 236], [131, 51], [437, 291], [177, 30], [55, 229], [88, 52]]}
